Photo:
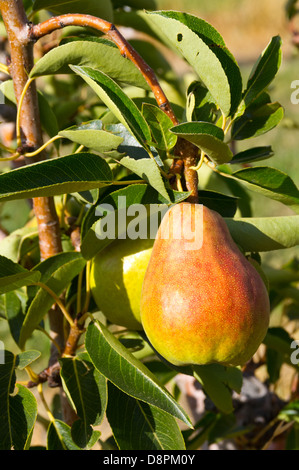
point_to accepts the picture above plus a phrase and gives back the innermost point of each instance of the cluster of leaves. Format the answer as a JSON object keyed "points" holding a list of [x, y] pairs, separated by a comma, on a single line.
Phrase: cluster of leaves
{"points": [[104, 106]]}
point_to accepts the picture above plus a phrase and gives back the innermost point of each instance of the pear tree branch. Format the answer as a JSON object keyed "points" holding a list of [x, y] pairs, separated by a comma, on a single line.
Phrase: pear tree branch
{"points": [[21, 52], [186, 152]]}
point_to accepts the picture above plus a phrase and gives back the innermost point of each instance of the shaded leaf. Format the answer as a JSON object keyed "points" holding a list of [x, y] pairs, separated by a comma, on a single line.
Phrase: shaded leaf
{"points": [[69, 266], [10, 245], [14, 304], [252, 155], [264, 70], [87, 391], [218, 382], [18, 411], [221, 203], [271, 183], [59, 437], [13, 276], [130, 375], [257, 121], [159, 124], [200, 103], [120, 200], [258, 234], [139, 426]]}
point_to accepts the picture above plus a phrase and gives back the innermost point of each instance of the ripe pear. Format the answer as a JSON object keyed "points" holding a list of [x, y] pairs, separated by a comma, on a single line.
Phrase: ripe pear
{"points": [[202, 301], [116, 280]]}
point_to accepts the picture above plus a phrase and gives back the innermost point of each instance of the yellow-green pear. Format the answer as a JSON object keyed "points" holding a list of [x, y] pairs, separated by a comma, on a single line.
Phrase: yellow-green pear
{"points": [[116, 280], [202, 301]]}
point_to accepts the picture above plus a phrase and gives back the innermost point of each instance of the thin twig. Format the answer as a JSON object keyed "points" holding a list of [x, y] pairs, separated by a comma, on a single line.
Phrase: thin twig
{"points": [[57, 301]]}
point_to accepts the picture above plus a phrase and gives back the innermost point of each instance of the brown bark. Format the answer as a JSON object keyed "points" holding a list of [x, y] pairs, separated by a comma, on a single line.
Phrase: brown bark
{"points": [[21, 51]]}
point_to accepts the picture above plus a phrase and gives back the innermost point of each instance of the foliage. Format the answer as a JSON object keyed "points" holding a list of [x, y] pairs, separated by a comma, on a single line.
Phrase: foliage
{"points": [[110, 139]]}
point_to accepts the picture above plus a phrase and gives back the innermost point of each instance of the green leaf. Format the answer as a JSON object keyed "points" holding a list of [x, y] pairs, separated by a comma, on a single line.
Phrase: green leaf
{"points": [[13, 276], [264, 70], [200, 103], [159, 124], [278, 339], [72, 173], [252, 155], [225, 205], [147, 169], [96, 53], [117, 101], [259, 234], [271, 183], [143, 427], [66, 266], [206, 136], [203, 47], [218, 382], [90, 7], [126, 372], [91, 135], [257, 121], [59, 437], [120, 200], [84, 386], [14, 305], [10, 245], [26, 358], [18, 411]]}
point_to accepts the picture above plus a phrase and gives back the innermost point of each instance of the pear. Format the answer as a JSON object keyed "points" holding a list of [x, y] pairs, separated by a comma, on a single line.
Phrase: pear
{"points": [[202, 301], [116, 278]]}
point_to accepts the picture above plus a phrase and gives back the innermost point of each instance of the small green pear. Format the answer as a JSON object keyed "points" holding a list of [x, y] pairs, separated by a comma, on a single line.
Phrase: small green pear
{"points": [[116, 280], [202, 301]]}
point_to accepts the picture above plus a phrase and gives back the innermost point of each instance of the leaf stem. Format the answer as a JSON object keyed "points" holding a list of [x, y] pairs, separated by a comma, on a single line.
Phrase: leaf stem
{"points": [[88, 290], [40, 149], [50, 338], [198, 166], [4, 69], [42, 397], [18, 120], [57, 301], [179, 183], [15, 156], [79, 149], [120, 183]]}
